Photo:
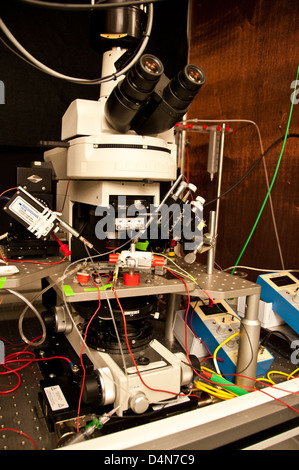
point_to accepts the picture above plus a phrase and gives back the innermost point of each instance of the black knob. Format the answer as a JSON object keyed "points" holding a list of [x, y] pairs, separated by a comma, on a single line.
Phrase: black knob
{"points": [[92, 390]]}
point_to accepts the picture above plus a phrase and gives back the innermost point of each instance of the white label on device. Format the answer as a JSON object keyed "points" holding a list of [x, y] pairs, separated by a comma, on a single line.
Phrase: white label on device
{"points": [[56, 398], [24, 210]]}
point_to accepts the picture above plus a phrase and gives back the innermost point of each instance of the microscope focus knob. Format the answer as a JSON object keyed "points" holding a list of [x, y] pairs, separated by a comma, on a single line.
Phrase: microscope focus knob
{"points": [[92, 392], [99, 387], [139, 403]]}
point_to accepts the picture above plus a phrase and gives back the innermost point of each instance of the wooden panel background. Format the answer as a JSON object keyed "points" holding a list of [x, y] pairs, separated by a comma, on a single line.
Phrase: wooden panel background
{"points": [[249, 52]]}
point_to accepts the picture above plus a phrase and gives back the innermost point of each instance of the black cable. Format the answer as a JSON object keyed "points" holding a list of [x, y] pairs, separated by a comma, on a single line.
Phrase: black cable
{"points": [[251, 168], [270, 346], [85, 7], [278, 333]]}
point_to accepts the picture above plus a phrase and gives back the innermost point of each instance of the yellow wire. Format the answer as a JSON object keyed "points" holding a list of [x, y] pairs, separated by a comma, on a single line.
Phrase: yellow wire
{"points": [[261, 380], [293, 373], [224, 390], [217, 392], [211, 391], [222, 344], [181, 269], [227, 392], [276, 372], [181, 274]]}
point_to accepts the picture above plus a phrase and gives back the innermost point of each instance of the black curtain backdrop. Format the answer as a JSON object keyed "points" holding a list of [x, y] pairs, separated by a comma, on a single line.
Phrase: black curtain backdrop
{"points": [[34, 101]]}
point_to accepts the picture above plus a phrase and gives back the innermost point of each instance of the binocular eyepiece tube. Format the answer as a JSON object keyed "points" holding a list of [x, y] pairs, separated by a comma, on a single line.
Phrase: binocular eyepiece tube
{"points": [[147, 102]]}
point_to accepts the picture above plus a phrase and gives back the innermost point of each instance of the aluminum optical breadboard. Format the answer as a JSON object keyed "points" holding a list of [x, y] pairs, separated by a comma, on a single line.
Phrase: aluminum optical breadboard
{"points": [[28, 272], [219, 284], [20, 409]]}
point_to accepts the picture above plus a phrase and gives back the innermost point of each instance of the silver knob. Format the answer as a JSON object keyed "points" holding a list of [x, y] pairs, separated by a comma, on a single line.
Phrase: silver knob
{"points": [[139, 403]]}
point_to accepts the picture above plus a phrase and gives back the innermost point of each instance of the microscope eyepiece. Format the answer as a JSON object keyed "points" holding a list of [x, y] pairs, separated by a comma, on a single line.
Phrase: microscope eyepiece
{"points": [[133, 91], [142, 79], [151, 64], [183, 88], [195, 74]]}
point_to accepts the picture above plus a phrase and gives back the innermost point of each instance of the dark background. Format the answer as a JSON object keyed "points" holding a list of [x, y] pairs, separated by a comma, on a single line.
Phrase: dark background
{"points": [[34, 101]]}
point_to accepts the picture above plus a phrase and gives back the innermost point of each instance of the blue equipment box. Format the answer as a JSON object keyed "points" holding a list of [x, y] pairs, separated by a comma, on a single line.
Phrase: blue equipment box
{"points": [[282, 290], [213, 325]]}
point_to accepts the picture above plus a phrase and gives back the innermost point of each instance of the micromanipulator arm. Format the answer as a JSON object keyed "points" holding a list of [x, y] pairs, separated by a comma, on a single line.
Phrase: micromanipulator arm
{"points": [[37, 218]]}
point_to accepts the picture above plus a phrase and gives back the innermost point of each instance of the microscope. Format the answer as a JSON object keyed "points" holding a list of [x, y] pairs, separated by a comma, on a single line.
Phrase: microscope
{"points": [[117, 151], [114, 157]]}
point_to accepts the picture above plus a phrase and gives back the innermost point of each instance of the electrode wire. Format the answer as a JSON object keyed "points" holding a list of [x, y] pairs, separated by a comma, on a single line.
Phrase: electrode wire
{"points": [[13, 358], [221, 346], [280, 139], [249, 171], [273, 179], [112, 316], [35, 311], [21, 433], [81, 357], [87, 7], [184, 273], [133, 359], [37, 314], [261, 269]]}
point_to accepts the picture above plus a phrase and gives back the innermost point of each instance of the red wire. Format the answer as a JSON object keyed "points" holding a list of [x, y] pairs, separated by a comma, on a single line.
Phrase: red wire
{"points": [[211, 298], [14, 357], [191, 327], [187, 310], [272, 387], [22, 433], [12, 344], [188, 163], [133, 359], [4, 392], [10, 359], [81, 352]]}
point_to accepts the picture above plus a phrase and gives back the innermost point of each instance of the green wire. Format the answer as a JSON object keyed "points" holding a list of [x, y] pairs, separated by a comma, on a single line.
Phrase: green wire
{"points": [[273, 180]]}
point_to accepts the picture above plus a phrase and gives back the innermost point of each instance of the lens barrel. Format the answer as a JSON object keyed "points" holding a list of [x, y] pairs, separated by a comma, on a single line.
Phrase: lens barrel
{"points": [[133, 91], [183, 88]]}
